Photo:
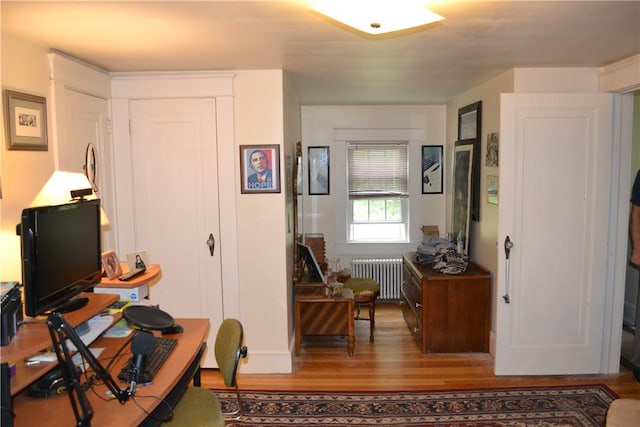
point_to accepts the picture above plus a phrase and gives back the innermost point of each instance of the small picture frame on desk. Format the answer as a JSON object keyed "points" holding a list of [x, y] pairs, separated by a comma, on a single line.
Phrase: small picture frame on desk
{"points": [[138, 259], [111, 264]]}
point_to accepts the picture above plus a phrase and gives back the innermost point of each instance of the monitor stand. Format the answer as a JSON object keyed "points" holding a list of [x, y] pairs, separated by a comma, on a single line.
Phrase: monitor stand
{"points": [[73, 304]]}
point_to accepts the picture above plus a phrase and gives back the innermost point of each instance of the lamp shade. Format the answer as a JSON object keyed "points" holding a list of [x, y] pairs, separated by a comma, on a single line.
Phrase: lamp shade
{"points": [[377, 16], [58, 189]]}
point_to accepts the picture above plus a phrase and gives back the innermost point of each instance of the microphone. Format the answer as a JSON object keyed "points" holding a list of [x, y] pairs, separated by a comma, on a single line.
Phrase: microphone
{"points": [[141, 346]]}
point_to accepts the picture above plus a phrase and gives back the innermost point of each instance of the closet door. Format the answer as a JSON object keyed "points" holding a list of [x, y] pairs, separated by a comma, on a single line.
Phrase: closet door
{"points": [[557, 169], [175, 189]]}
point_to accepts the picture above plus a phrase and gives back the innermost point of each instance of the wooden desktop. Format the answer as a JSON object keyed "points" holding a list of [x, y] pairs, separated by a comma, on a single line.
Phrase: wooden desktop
{"points": [[151, 272], [168, 384]]}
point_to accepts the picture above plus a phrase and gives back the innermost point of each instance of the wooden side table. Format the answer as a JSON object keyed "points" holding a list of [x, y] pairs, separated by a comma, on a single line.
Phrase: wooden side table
{"points": [[321, 315]]}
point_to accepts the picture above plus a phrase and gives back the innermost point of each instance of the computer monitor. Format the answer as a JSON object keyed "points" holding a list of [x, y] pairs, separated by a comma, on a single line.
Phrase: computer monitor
{"points": [[61, 255], [310, 263]]}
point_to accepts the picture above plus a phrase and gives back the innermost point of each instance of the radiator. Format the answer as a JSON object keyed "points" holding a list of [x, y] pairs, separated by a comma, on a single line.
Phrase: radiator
{"points": [[386, 271]]}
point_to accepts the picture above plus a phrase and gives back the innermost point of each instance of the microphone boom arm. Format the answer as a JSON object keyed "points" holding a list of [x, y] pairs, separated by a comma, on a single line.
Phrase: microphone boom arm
{"points": [[60, 330]]}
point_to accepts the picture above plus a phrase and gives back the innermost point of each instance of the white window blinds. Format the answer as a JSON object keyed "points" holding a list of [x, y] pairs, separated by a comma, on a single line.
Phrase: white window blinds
{"points": [[377, 170]]}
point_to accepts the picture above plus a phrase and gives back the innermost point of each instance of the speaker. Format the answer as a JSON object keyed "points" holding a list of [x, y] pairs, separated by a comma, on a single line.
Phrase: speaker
{"points": [[51, 383]]}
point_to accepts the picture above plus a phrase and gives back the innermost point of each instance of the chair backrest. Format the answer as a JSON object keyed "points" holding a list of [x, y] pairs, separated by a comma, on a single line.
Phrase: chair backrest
{"points": [[229, 349]]}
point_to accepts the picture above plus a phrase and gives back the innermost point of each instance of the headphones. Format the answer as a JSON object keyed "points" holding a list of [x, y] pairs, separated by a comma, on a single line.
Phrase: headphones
{"points": [[50, 384]]}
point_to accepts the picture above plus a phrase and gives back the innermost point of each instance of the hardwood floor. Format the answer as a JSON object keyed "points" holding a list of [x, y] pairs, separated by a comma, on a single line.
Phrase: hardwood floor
{"points": [[393, 362]]}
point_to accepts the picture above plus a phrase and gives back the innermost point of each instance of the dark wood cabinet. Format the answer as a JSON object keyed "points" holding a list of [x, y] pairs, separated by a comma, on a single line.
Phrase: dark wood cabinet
{"points": [[447, 313]]}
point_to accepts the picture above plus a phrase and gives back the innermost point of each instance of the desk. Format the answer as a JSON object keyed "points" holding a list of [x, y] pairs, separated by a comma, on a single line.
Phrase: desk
{"points": [[34, 337], [322, 315], [168, 383]]}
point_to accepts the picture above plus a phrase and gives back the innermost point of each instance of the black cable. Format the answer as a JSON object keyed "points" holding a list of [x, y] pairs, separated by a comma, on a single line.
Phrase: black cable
{"points": [[115, 356], [148, 414]]}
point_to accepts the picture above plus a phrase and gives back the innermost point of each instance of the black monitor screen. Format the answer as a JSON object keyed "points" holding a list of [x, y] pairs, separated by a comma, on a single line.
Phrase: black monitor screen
{"points": [[61, 253]]}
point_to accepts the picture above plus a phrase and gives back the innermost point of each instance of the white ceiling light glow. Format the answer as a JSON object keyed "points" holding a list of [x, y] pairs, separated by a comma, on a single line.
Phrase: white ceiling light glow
{"points": [[377, 16]]}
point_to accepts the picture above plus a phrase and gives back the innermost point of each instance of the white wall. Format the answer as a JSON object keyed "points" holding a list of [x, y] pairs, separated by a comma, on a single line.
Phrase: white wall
{"points": [[321, 126], [262, 227], [23, 173]]}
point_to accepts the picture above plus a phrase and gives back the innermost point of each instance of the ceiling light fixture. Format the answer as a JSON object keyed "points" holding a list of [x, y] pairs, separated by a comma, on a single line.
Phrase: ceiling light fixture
{"points": [[377, 16]]}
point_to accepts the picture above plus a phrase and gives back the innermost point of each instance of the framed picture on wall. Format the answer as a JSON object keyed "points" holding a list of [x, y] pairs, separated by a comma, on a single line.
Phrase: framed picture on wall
{"points": [[260, 168], [492, 150], [492, 190], [469, 132], [318, 170], [469, 121], [432, 169], [25, 121]]}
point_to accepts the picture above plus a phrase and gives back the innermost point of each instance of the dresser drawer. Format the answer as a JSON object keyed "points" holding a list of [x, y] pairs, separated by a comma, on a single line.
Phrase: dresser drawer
{"points": [[412, 318]]}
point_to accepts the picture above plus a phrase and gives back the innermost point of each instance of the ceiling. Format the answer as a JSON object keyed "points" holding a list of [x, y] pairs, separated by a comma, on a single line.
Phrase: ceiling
{"points": [[329, 63]]}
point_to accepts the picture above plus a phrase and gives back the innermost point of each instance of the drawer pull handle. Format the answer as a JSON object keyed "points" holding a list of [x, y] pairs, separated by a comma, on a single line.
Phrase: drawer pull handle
{"points": [[418, 305]]}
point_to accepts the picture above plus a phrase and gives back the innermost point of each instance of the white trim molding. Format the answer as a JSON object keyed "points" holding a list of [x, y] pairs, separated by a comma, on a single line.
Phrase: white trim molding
{"points": [[622, 76]]}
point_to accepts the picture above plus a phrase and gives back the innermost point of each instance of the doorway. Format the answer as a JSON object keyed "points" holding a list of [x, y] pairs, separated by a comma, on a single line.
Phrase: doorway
{"points": [[630, 320]]}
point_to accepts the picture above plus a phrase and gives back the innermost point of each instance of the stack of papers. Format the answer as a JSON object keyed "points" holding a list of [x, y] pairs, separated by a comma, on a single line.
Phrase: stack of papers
{"points": [[119, 330]]}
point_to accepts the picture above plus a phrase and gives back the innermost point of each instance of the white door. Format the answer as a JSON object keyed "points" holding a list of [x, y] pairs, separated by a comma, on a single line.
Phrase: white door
{"points": [[176, 213], [86, 123], [556, 166]]}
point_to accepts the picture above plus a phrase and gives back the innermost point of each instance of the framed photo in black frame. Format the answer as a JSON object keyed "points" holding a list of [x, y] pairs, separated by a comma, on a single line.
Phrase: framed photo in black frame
{"points": [[318, 170], [470, 121], [432, 169], [469, 133]]}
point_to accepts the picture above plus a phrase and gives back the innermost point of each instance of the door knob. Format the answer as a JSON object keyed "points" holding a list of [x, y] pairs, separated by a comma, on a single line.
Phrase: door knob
{"points": [[211, 242]]}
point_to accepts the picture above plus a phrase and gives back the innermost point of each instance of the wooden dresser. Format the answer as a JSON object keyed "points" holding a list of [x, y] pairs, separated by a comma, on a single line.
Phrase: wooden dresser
{"points": [[447, 313]]}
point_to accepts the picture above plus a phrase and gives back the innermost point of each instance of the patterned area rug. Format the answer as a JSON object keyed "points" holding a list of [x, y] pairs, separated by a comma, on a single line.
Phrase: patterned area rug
{"points": [[531, 406]]}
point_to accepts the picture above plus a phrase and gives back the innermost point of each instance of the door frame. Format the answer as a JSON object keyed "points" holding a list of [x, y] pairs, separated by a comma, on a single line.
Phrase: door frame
{"points": [[623, 78], [619, 232]]}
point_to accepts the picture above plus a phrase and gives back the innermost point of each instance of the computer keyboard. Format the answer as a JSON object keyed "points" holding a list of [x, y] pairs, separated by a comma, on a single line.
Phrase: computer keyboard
{"points": [[90, 330], [162, 347]]}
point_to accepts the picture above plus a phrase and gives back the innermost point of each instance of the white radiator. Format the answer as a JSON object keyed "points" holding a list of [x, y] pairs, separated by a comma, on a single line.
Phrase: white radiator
{"points": [[386, 271]]}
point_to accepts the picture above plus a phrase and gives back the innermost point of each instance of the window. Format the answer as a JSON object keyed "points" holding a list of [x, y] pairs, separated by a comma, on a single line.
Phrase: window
{"points": [[377, 188]]}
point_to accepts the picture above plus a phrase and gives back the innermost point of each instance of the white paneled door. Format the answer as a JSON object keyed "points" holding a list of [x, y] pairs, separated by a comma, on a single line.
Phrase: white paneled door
{"points": [[176, 204], [557, 167], [85, 121]]}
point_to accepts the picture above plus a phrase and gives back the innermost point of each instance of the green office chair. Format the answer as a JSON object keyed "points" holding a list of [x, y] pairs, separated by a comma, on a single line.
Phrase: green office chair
{"points": [[199, 406]]}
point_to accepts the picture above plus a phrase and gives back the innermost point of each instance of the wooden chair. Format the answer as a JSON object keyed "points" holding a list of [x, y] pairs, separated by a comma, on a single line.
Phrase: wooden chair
{"points": [[199, 406], [365, 292]]}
